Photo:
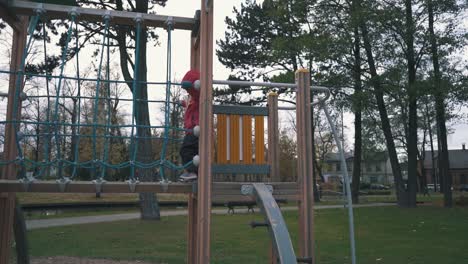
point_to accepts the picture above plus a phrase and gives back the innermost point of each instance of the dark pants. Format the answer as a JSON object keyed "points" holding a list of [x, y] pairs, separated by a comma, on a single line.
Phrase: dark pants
{"points": [[189, 150]]}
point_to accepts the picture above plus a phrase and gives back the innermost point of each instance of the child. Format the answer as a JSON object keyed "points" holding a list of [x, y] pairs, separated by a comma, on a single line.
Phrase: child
{"points": [[189, 147]]}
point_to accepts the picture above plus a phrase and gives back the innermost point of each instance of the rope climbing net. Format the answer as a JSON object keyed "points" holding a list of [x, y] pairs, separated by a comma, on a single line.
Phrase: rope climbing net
{"points": [[57, 132]]}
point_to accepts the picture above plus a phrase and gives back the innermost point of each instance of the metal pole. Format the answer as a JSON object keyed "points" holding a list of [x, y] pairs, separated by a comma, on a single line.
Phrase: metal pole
{"points": [[269, 84], [347, 183]]}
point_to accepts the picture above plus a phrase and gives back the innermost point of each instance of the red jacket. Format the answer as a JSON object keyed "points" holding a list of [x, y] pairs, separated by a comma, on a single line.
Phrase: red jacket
{"points": [[191, 117]]}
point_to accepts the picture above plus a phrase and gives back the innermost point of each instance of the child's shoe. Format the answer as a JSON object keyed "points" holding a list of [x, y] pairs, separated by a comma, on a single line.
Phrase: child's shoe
{"points": [[188, 176]]}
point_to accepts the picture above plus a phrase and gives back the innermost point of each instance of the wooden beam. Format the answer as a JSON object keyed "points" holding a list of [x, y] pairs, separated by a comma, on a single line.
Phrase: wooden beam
{"points": [[273, 153], [27, 8], [6, 14], [273, 137], [206, 128], [7, 202], [11, 186], [305, 168]]}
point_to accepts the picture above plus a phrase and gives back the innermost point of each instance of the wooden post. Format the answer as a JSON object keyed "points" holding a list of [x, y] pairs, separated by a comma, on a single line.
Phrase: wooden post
{"points": [[273, 149], [206, 127], [273, 137], [192, 204], [7, 200], [305, 167]]}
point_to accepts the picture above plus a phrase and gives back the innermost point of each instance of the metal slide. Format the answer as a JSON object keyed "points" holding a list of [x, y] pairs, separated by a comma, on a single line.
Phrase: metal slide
{"points": [[273, 220]]}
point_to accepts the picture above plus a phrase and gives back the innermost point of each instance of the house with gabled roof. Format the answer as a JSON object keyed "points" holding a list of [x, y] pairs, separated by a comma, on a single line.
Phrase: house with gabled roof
{"points": [[458, 166], [375, 167]]}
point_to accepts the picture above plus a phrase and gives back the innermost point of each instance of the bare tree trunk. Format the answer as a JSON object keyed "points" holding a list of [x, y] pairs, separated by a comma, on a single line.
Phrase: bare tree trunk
{"points": [[444, 165], [431, 140], [412, 108], [357, 108], [149, 207], [386, 128], [21, 236]]}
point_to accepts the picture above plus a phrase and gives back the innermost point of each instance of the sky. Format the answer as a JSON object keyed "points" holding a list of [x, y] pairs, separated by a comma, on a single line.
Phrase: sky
{"points": [[181, 59]]}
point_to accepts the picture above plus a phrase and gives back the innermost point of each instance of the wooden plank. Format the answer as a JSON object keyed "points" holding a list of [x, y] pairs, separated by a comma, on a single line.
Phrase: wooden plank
{"points": [[234, 139], [247, 139], [243, 198], [205, 139], [230, 188], [221, 142], [241, 168], [240, 110], [10, 186], [273, 137], [7, 201], [27, 8], [259, 140], [305, 169]]}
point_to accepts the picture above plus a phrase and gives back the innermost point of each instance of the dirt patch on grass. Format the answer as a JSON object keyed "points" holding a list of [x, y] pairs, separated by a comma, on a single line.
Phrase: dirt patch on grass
{"points": [[74, 260]]}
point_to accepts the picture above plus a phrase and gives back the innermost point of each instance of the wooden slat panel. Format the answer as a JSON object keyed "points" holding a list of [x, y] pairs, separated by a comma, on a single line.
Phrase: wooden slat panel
{"points": [[234, 140], [221, 139], [259, 140], [247, 139]]}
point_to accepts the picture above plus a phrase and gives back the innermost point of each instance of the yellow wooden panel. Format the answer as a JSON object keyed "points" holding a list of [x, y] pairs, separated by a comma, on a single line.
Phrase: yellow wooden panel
{"points": [[259, 140], [247, 139], [234, 140], [221, 139]]}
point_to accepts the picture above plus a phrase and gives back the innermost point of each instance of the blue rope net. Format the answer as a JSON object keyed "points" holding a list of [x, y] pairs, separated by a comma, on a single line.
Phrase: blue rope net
{"points": [[59, 136]]}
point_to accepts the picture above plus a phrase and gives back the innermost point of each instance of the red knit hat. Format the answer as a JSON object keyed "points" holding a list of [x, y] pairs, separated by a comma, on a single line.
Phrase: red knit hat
{"points": [[191, 76]]}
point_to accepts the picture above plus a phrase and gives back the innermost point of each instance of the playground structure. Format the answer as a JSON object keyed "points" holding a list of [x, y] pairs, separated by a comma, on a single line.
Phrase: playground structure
{"points": [[233, 128]]}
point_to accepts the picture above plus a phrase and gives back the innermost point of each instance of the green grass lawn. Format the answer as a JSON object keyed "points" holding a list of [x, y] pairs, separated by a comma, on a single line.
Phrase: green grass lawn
{"points": [[384, 235], [435, 199]]}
